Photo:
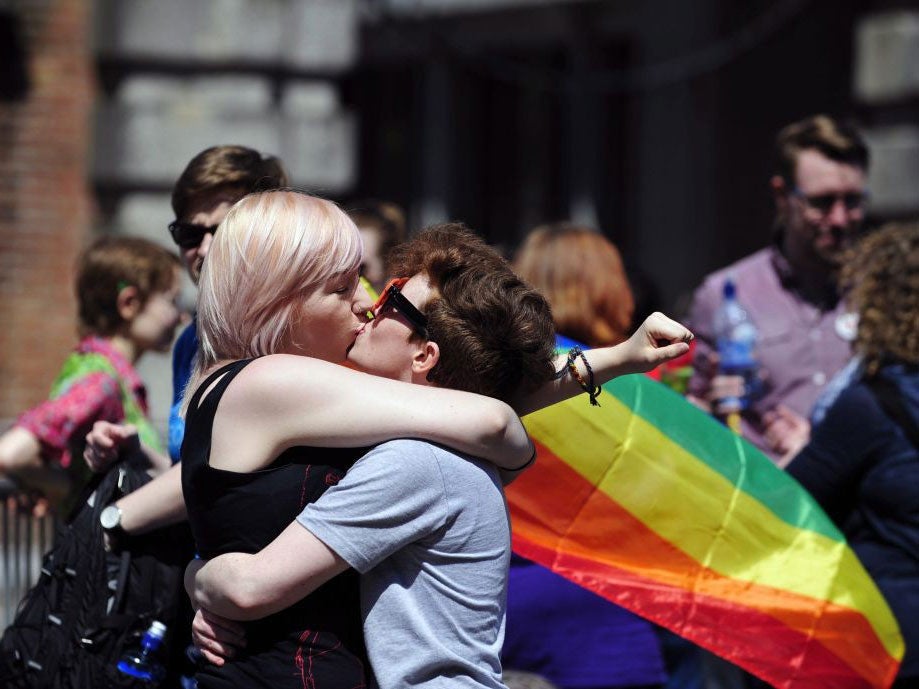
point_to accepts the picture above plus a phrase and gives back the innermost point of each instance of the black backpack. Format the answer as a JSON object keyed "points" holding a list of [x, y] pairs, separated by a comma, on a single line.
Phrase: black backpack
{"points": [[89, 606]]}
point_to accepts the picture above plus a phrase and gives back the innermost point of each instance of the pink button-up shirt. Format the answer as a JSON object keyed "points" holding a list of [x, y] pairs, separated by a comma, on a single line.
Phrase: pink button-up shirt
{"points": [[801, 344]]}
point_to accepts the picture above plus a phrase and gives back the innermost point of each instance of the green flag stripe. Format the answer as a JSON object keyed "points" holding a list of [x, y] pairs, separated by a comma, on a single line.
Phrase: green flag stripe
{"points": [[721, 450]]}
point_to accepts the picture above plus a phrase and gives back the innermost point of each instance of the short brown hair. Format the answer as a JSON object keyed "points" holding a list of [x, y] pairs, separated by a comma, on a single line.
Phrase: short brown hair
{"points": [[109, 265], [881, 277], [836, 140], [226, 167], [581, 273], [494, 332]]}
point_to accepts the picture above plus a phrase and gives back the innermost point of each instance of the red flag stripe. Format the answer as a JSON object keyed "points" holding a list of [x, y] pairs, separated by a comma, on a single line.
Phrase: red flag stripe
{"points": [[749, 637]]}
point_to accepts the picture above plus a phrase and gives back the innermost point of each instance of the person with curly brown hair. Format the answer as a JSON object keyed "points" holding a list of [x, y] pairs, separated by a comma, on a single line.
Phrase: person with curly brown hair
{"points": [[862, 461]]}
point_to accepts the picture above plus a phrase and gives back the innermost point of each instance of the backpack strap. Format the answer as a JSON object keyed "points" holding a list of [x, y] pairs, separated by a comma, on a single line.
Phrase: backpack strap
{"points": [[891, 401], [123, 569]]}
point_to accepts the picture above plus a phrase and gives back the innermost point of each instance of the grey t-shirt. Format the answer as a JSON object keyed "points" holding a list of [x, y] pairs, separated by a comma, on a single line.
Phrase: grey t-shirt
{"points": [[429, 531]]}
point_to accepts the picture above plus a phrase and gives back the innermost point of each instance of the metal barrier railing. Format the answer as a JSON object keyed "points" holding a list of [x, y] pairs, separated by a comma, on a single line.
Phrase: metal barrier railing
{"points": [[25, 540]]}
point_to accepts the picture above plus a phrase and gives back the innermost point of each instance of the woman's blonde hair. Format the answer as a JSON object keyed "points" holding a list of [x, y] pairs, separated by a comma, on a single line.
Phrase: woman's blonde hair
{"points": [[272, 249], [881, 279], [581, 273]]}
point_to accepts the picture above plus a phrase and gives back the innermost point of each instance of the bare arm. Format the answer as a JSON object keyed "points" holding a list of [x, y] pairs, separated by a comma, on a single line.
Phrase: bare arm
{"points": [[158, 503], [19, 449], [21, 460], [659, 339], [281, 401], [240, 586]]}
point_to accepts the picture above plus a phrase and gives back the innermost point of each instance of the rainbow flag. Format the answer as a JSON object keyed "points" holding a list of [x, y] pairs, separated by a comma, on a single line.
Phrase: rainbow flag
{"points": [[655, 506]]}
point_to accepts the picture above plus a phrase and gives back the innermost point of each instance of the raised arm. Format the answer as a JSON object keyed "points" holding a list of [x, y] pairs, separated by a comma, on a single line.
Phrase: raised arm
{"points": [[658, 340], [284, 400]]}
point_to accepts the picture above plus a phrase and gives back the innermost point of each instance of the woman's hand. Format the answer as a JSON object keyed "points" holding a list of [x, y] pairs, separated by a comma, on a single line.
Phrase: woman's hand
{"points": [[106, 441], [216, 638], [658, 340], [29, 502], [786, 433]]}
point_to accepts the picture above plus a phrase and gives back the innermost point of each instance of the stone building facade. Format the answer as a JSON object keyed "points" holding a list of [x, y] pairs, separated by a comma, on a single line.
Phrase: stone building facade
{"points": [[651, 120]]}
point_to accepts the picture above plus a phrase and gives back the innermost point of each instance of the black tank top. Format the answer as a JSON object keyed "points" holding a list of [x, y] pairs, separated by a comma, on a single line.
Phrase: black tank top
{"points": [[316, 642]]}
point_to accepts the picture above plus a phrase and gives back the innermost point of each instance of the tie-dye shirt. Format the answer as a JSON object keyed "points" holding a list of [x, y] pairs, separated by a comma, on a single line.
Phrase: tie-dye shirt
{"points": [[96, 383]]}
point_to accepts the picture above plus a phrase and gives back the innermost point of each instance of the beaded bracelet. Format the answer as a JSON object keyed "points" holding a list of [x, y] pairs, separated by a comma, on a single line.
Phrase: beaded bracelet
{"points": [[589, 386]]}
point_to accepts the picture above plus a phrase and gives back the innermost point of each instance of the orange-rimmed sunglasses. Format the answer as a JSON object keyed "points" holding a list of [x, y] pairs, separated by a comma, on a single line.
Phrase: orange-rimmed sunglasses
{"points": [[392, 298]]}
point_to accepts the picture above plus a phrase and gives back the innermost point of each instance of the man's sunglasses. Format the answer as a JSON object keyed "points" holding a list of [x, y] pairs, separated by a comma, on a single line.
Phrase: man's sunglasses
{"points": [[188, 235], [391, 298], [824, 203]]}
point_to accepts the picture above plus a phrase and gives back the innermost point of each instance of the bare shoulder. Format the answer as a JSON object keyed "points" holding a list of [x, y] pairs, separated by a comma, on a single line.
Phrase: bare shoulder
{"points": [[272, 384], [257, 409]]}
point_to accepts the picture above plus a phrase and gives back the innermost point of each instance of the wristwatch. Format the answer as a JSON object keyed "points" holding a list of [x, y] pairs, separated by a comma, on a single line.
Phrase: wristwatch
{"points": [[110, 517], [110, 520]]}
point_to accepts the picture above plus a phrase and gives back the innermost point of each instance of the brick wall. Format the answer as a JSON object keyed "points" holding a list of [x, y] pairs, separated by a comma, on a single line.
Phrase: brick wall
{"points": [[45, 206]]}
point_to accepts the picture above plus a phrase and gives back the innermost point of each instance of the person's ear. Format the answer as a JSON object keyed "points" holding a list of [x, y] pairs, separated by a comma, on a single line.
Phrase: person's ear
{"points": [[425, 358], [780, 192], [128, 303]]}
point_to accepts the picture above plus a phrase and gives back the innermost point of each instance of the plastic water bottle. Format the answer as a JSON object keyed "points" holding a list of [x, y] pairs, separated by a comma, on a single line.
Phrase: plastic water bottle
{"points": [[143, 662], [736, 338]]}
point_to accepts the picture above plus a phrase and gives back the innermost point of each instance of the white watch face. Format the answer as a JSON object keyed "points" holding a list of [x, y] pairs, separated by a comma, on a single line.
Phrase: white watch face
{"points": [[110, 517]]}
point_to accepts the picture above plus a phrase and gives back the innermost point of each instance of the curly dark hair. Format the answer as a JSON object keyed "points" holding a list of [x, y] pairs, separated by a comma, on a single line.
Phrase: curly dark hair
{"points": [[495, 332], [881, 278]]}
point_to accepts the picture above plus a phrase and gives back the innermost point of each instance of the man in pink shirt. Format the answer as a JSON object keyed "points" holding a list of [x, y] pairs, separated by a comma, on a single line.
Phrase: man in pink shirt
{"points": [[789, 288]]}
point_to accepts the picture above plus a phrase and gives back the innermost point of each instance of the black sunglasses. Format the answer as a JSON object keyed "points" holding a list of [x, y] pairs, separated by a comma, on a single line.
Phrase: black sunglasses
{"points": [[392, 298], [188, 235]]}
